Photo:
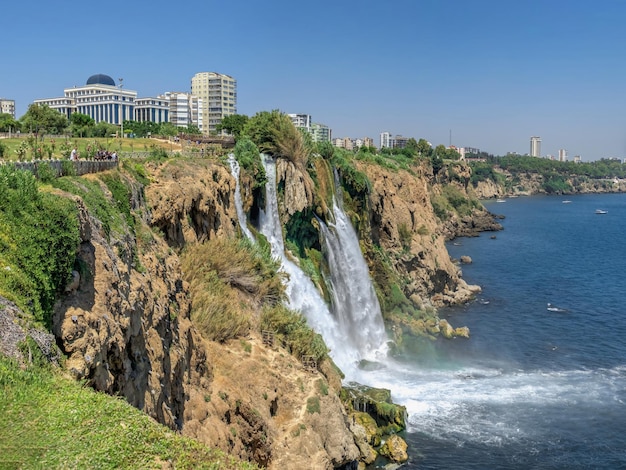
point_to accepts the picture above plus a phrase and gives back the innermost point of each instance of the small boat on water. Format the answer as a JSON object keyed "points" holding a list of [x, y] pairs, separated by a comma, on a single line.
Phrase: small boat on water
{"points": [[554, 308], [500, 200], [567, 202], [601, 211]]}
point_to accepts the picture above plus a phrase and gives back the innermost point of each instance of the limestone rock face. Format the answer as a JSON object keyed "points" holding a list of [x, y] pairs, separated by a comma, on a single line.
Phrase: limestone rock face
{"points": [[404, 225], [298, 193], [126, 330], [262, 405], [487, 190], [193, 202], [126, 327]]}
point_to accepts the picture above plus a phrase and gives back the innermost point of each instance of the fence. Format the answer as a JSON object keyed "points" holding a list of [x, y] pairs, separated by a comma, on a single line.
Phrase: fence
{"points": [[82, 167]]}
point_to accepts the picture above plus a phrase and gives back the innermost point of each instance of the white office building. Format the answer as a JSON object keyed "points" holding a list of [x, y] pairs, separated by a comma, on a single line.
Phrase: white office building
{"points": [[99, 99]]}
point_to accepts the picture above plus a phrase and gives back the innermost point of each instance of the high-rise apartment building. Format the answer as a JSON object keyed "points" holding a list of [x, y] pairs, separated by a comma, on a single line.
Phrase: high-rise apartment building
{"points": [[535, 146], [185, 109], [562, 155], [302, 121], [219, 97], [320, 132], [7, 107], [385, 140]]}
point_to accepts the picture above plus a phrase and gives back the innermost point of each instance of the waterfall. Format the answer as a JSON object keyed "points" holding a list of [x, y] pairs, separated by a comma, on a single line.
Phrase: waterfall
{"points": [[301, 292], [241, 216], [354, 299]]}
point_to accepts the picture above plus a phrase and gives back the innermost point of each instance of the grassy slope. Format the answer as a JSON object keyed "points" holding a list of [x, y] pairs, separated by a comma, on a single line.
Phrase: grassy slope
{"points": [[49, 421]]}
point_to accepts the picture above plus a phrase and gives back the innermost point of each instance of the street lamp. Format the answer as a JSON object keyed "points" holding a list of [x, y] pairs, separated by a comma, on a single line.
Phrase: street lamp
{"points": [[121, 80]]}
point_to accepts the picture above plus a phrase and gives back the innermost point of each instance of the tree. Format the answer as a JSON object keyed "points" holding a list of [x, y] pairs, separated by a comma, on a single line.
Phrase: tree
{"points": [[7, 123], [192, 130], [325, 149], [104, 129], [41, 119], [412, 146], [233, 124], [259, 129], [169, 129], [452, 154], [424, 149], [81, 125]]}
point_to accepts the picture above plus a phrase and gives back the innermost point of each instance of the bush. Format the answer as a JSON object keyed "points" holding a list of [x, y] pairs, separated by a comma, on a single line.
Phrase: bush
{"points": [[216, 270], [95, 199], [214, 310], [45, 172], [291, 328], [248, 156], [38, 241]]}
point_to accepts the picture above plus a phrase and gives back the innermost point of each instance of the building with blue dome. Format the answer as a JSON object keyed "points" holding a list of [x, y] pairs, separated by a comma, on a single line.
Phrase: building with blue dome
{"points": [[104, 101]]}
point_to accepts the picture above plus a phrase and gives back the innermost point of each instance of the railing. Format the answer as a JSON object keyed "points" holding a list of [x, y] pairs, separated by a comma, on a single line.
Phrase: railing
{"points": [[82, 167]]}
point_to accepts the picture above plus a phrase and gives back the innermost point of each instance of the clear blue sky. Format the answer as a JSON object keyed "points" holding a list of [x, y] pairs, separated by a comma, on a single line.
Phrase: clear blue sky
{"points": [[490, 72]]}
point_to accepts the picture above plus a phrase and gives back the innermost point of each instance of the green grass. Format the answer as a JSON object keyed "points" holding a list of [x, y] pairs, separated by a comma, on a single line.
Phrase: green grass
{"points": [[49, 421], [60, 148]]}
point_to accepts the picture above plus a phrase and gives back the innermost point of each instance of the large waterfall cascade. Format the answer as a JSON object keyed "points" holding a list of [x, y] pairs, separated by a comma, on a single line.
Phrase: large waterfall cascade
{"points": [[355, 330], [354, 299], [302, 293]]}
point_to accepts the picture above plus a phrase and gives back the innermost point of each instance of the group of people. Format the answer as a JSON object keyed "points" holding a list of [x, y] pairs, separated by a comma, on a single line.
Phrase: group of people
{"points": [[105, 155], [100, 155]]}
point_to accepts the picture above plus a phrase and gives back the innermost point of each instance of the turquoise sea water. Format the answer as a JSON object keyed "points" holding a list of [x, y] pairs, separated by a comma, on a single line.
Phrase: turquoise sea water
{"points": [[532, 388]]}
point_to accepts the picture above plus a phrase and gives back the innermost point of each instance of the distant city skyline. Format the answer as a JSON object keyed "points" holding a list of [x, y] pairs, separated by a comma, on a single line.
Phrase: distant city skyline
{"points": [[479, 69]]}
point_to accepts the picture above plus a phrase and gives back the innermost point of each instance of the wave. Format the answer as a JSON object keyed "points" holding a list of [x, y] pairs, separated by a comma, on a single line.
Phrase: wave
{"points": [[496, 406]]}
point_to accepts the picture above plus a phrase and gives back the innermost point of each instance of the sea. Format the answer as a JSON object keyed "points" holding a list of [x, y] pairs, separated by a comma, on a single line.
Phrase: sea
{"points": [[541, 382]]}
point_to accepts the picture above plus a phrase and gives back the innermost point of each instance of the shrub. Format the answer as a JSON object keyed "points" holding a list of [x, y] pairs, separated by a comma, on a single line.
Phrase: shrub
{"points": [[214, 308], [95, 199], [292, 329], [249, 157], [238, 263], [67, 168], [405, 236], [45, 172], [38, 241], [216, 270]]}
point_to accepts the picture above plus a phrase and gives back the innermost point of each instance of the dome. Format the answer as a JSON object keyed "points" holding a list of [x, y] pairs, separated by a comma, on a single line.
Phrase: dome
{"points": [[100, 79]]}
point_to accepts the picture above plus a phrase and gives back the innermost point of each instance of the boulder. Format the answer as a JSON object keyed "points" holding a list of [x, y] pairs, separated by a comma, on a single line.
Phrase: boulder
{"points": [[394, 449]]}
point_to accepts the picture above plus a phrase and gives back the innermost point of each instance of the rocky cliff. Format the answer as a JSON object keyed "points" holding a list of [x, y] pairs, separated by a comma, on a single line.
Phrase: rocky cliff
{"points": [[527, 183], [403, 223], [125, 326]]}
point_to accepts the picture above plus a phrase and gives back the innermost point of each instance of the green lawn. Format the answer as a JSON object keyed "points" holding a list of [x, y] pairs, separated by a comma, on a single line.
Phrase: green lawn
{"points": [[49, 421], [60, 147]]}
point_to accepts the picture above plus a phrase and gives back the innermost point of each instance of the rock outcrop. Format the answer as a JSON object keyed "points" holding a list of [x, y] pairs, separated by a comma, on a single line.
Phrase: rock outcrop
{"points": [[126, 327], [404, 225]]}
